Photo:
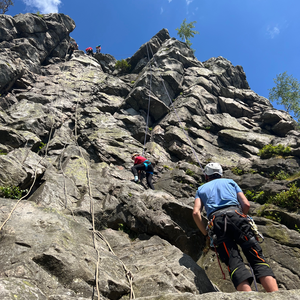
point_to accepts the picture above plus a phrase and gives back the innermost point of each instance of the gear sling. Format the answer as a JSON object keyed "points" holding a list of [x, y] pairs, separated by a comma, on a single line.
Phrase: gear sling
{"points": [[228, 227]]}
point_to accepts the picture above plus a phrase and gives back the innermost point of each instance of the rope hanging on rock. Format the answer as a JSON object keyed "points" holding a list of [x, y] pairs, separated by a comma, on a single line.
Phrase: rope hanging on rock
{"points": [[178, 118], [129, 276], [150, 89], [34, 180]]}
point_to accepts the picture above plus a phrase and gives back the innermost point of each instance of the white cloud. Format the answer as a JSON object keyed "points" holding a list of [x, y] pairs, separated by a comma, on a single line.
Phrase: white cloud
{"points": [[161, 10], [170, 1], [44, 6], [188, 2], [273, 32]]}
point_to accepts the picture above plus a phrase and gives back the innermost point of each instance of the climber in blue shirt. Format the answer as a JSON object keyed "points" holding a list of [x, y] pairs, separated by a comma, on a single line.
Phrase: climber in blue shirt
{"points": [[227, 207]]}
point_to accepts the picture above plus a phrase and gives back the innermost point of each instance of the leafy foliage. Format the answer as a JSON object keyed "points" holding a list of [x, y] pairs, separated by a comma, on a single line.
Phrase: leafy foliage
{"points": [[123, 65], [258, 196], [280, 176], [270, 151], [185, 31], [12, 192], [287, 93], [39, 14], [237, 171], [189, 172], [289, 199], [2, 152], [4, 4]]}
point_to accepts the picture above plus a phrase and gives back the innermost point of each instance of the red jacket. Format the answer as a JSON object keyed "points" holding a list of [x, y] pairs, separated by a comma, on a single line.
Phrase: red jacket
{"points": [[139, 160]]}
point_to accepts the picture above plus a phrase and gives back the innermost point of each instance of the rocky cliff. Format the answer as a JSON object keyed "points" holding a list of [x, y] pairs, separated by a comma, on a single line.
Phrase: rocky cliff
{"points": [[83, 229]]}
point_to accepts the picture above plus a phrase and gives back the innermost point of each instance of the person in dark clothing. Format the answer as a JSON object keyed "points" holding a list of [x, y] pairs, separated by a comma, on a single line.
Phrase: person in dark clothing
{"points": [[72, 46], [227, 207], [142, 164]]}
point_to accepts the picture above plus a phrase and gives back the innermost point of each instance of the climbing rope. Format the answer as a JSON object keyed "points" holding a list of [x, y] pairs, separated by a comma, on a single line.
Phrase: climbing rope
{"points": [[29, 190], [127, 272], [89, 187], [92, 210], [150, 88], [178, 118]]}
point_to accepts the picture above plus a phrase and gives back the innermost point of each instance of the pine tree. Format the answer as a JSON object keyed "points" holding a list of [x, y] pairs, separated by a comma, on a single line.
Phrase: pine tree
{"points": [[185, 31]]}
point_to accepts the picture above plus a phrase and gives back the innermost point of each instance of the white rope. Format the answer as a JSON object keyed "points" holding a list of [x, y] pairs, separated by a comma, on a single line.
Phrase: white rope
{"points": [[92, 209], [148, 111], [172, 105]]}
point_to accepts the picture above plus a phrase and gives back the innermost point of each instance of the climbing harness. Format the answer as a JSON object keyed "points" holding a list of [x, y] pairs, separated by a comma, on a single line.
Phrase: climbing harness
{"points": [[215, 241]]}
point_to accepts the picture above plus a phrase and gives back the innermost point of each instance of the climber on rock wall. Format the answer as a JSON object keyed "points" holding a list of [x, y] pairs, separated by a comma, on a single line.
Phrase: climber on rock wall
{"points": [[227, 207]]}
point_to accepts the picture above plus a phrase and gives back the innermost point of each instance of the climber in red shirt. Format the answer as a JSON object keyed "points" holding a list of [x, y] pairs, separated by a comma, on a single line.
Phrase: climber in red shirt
{"points": [[89, 51], [142, 164]]}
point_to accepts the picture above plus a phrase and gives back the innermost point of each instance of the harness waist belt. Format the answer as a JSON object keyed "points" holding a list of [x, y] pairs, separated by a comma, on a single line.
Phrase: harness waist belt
{"points": [[224, 210]]}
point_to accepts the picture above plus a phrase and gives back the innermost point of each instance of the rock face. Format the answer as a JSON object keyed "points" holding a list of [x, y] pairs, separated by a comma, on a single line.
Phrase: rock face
{"points": [[68, 128]]}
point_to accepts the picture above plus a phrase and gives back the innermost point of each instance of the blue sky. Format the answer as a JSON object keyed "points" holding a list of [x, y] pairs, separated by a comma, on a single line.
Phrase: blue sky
{"points": [[260, 35]]}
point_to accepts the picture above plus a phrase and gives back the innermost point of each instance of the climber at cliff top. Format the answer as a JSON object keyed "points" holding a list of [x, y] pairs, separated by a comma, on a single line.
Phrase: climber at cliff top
{"points": [[98, 49], [142, 164], [72, 46], [226, 207], [89, 51]]}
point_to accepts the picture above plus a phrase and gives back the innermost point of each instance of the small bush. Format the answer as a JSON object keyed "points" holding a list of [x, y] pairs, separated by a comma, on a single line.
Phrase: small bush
{"points": [[258, 197], [189, 172], [2, 152], [39, 14], [271, 151], [11, 192], [289, 199], [123, 65], [280, 176], [237, 171]]}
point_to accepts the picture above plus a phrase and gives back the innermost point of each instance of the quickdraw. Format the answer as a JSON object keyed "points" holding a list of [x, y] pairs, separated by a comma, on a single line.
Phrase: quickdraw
{"points": [[258, 235]]}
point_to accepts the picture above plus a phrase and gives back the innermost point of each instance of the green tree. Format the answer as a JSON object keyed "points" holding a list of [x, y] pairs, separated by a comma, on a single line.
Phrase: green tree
{"points": [[4, 4], [185, 31], [122, 65], [287, 93]]}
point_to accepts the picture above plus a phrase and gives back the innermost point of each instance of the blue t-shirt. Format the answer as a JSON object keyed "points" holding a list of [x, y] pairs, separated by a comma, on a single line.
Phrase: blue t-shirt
{"points": [[218, 193]]}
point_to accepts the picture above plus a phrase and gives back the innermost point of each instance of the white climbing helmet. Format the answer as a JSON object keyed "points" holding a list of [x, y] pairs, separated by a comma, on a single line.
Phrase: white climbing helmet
{"points": [[213, 168]]}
